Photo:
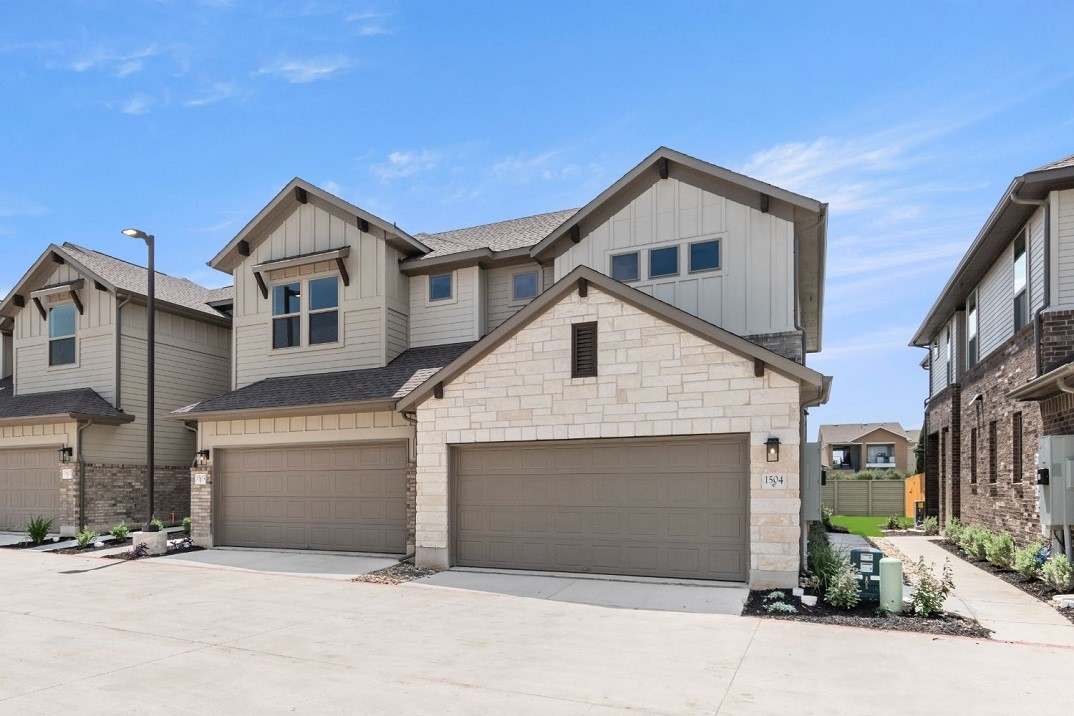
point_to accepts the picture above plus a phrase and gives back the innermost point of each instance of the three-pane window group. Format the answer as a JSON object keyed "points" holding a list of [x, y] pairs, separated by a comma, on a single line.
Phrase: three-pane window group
{"points": [[663, 262]]}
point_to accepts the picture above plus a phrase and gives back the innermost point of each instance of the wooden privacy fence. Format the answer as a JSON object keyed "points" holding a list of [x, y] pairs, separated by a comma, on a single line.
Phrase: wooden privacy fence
{"points": [[865, 497]]}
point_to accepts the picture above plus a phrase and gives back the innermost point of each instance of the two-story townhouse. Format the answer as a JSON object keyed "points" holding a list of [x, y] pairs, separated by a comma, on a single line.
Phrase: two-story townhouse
{"points": [[619, 388], [998, 338], [868, 446], [73, 389]]}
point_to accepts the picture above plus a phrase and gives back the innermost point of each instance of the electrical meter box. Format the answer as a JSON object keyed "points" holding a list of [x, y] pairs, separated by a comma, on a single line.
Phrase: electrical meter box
{"points": [[866, 562], [811, 483], [1055, 481]]}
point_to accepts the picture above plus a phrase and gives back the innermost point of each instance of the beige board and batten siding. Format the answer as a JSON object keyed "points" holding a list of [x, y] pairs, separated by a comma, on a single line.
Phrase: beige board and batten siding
{"points": [[451, 320], [655, 379], [1062, 208], [752, 291], [362, 304], [1037, 250], [95, 352], [501, 306]]}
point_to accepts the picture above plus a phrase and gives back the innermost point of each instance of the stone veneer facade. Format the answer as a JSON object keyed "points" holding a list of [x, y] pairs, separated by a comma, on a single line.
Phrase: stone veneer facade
{"points": [[654, 379], [119, 493]]}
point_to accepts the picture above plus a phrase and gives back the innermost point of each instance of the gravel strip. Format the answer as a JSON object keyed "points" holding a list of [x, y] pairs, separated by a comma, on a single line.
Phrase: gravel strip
{"points": [[396, 574]]}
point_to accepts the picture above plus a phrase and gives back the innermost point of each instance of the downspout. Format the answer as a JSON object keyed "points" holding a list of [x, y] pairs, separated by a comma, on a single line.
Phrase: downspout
{"points": [[119, 349], [80, 443], [1038, 329]]}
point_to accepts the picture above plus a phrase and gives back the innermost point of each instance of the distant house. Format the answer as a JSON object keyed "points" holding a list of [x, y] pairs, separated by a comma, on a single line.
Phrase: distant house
{"points": [[862, 446]]}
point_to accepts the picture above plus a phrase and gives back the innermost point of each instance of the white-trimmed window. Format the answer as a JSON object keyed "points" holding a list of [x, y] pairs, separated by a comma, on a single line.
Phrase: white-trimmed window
{"points": [[525, 285], [323, 310], [971, 329], [441, 287], [287, 315], [664, 262], [626, 267], [1021, 282], [62, 325], [704, 256]]}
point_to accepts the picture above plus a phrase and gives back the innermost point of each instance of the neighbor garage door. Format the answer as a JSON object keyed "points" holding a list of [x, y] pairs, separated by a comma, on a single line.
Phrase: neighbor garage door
{"points": [[663, 508], [29, 486], [345, 497]]}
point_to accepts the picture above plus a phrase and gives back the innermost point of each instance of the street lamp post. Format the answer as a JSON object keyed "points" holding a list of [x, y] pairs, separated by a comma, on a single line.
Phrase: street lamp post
{"points": [[151, 340]]}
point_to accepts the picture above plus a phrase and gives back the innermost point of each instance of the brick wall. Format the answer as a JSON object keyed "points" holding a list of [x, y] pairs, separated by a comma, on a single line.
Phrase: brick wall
{"points": [[942, 418], [119, 493], [790, 344], [1056, 339], [1057, 415], [1009, 502], [411, 505]]}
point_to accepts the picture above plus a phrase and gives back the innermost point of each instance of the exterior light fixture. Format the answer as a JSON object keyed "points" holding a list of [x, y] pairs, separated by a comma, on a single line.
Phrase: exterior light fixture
{"points": [[65, 454], [772, 449], [151, 366], [201, 458]]}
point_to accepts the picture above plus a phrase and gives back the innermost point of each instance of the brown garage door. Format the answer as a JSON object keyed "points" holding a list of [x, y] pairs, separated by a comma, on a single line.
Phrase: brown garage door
{"points": [[343, 497], [667, 508], [29, 486]]}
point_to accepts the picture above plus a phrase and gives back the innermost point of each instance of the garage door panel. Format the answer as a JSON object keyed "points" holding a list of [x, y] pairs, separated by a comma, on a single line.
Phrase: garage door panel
{"points": [[340, 498], [30, 486], [645, 507]]}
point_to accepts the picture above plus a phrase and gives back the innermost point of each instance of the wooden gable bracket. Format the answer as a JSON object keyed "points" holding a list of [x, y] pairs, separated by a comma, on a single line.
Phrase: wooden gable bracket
{"points": [[758, 368], [764, 203], [662, 166], [40, 308], [19, 301], [438, 391], [78, 302], [343, 271], [99, 286], [261, 284], [57, 259], [244, 248], [363, 225], [583, 287], [576, 234], [300, 195]]}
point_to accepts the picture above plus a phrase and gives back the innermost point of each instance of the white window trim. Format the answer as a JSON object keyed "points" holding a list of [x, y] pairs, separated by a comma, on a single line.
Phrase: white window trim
{"points": [[304, 314], [511, 285], [48, 339], [427, 285]]}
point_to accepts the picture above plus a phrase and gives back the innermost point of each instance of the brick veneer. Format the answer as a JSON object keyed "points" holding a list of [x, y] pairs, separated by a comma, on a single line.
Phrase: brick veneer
{"points": [[941, 462], [1056, 339], [790, 344], [118, 493], [654, 379], [201, 507]]}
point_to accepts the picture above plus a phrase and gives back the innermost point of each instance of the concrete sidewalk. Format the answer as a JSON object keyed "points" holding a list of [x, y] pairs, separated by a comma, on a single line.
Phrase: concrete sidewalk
{"points": [[1012, 614]]}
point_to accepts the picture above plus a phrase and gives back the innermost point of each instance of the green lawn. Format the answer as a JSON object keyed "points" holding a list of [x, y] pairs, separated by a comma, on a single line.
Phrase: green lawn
{"points": [[864, 526]]}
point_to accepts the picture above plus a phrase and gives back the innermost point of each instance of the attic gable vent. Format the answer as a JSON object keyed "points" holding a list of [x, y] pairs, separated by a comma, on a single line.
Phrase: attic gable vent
{"points": [[584, 350]]}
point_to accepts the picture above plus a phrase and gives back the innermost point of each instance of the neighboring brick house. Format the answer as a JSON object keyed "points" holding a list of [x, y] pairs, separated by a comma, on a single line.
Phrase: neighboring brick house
{"points": [[1000, 338], [73, 376], [868, 446], [619, 388]]}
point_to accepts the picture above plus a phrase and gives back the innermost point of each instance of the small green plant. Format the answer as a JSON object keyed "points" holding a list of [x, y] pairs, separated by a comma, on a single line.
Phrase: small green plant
{"points": [[120, 531], [86, 537], [930, 591], [1000, 550], [187, 524], [1058, 573], [974, 543], [894, 522], [158, 524], [37, 529], [824, 560], [931, 525], [780, 608], [775, 596], [826, 514], [842, 591], [953, 531], [1027, 560]]}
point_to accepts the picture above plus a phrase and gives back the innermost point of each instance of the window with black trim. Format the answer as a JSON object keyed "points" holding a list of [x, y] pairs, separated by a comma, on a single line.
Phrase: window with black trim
{"points": [[704, 256], [993, 466], [1021, 282], [973, 456], [1016, 447], [324, 310], [664, 262], [524, 285], [625, 267], [440, 287], [287, 315], [62, 324], [584, 350]]}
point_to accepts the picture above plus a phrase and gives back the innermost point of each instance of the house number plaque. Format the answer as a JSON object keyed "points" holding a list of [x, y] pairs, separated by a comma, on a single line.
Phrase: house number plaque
{"points": [[774, 482]]}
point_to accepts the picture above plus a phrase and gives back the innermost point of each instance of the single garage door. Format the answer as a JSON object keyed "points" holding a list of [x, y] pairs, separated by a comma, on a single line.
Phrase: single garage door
{"points": [[343, 497], [29, 486], [660, 507]]}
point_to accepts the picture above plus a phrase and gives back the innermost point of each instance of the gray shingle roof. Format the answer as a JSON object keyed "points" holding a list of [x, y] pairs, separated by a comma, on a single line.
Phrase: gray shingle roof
{"points": [[80, 401], [131, 277], [847, 432], [394, 380], [500, 236], [1061, 164]]}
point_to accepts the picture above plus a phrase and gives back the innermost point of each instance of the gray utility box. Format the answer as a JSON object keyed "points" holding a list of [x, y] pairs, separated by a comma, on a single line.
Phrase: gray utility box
{"points": [[811, 473], [867, 563], [1055, 481]]}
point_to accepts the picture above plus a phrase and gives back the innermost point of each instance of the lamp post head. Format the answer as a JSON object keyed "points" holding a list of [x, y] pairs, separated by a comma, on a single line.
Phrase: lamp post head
{"points": [[137, 234]]}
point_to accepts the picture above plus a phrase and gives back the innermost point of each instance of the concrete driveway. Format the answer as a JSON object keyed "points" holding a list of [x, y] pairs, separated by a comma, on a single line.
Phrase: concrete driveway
{"points": [[143, 636], [333, 565]]}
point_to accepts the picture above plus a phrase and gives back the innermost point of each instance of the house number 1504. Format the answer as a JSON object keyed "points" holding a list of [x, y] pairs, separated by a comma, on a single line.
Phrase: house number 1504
{"points": [[774, 482]]}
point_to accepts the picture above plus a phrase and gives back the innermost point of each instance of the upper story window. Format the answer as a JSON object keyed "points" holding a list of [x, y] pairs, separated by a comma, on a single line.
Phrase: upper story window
{"points": [[324, 310], [625, 267], [664, 262], [441, 287], [62, 323], [704, 256], [524, 285], [1021, 281], [287, 315], [971, 329]]}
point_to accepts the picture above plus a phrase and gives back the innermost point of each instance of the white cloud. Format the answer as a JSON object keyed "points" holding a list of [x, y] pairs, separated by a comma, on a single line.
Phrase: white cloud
{"points": [[216, 92], [406, 163], [138, 104], [122, 64], [881, 341], [302, 71]]}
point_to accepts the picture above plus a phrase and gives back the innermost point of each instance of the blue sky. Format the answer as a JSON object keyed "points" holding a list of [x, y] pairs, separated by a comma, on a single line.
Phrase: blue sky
{"points": [[185, 118]]}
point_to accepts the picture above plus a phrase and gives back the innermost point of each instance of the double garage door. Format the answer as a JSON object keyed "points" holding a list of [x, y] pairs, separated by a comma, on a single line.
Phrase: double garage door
{"points": [[661, 507], [344, 497], [29, 487]]}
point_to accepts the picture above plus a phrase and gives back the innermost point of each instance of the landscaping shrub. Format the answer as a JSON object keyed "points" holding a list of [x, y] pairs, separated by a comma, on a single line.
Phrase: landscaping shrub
{"points": [[780, 608], [931, 525], [894, 522], [824, 560], [842, 591], [826, 517], [158, 523], [37, 529], [874, 474], [1027, 561], [120, 531], [86, 537], [1000, 550], [187, 525], [929, 592], [1058, 573], [974, 542], [953, 531]]}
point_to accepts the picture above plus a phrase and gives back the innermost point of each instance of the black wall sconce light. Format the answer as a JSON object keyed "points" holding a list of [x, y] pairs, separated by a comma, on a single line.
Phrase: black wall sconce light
{"points": [[66, 454], [201, 458], [772, 449]]}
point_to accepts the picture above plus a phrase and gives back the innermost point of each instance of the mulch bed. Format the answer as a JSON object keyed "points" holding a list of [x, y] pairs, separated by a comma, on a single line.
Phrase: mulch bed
{"points": [[28, 544], [396, 574], [865, 615], [1032, 587], [86, 550]]}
